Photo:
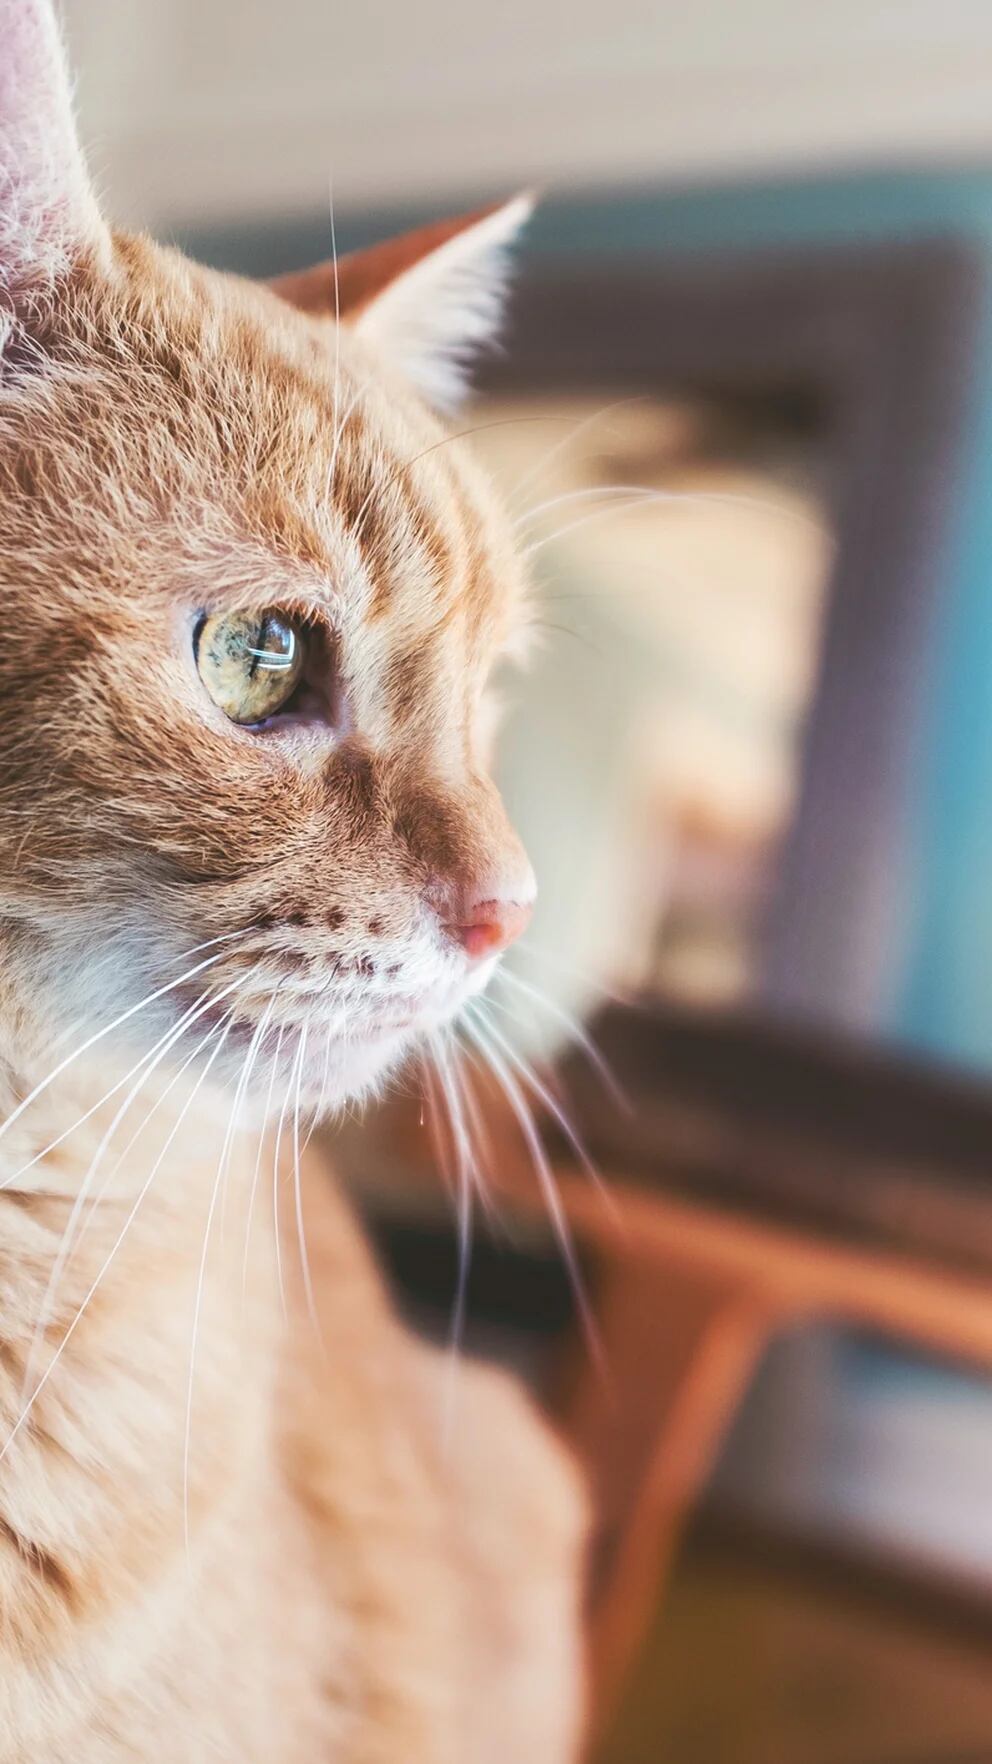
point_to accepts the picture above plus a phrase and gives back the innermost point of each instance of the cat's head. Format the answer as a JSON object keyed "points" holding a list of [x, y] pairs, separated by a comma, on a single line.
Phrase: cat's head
{"points": [[252, 597]]}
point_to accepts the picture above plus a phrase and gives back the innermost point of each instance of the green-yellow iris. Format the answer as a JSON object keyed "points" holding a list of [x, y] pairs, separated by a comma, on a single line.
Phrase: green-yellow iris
{"points": [[251, 663]]}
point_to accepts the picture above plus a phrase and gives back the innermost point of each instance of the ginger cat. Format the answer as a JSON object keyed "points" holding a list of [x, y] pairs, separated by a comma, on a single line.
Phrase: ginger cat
{"points": [[249, 857]]}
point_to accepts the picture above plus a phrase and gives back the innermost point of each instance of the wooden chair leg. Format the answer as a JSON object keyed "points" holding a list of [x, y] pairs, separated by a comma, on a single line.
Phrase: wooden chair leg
{"points": [[687, 1299], [679, 1351]]}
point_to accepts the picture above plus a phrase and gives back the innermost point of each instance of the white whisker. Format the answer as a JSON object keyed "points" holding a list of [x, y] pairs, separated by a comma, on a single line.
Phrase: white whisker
{"points": [[598, 492], [261, 1145], [342, 423], [598, 514], [275, 1189], [545, 1175], [73, 1326], [337, 319], [549, 1101], [440, 1140], [318, 1113], [149, 1059], [575, 1030], [100, 1035], [629, 496], [183, 956], [201, 1276], [585, 423], [69, 1235], [477, 1134], [570, 970], [243, 1082], [463, 1216], [445, 441], [298, 1196]]}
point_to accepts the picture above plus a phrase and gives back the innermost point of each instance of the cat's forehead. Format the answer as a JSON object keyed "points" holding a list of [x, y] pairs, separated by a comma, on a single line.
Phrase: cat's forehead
{"points": [[324, 474]]}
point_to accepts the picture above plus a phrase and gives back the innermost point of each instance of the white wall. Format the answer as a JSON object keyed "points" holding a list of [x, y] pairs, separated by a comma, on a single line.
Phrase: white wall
{"points": [[206, 108]]}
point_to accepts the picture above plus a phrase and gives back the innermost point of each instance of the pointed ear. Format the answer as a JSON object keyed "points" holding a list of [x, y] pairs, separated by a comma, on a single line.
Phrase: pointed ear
{"points": [[428, 300], [48, 213]]}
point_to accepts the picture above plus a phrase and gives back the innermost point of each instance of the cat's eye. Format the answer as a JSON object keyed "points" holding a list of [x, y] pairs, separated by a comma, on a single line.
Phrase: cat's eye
{"points": [[251, 663]]}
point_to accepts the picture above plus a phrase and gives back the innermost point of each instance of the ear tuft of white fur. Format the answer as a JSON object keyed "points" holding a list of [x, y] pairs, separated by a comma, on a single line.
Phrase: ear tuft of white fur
{"points": [[435, 317], [47, 209]]}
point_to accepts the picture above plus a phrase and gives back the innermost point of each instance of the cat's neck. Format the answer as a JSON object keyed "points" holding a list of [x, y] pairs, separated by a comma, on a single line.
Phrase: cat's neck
{"points": [[139, 1326], [117, 1181]]}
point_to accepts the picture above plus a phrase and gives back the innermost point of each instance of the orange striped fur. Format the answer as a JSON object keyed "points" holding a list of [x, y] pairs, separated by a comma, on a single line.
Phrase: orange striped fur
{"points": [[229, 1529]]}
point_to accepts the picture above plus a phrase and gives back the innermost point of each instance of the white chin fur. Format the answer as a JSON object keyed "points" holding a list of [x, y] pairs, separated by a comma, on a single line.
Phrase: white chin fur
{"points": [[327, 1079]]}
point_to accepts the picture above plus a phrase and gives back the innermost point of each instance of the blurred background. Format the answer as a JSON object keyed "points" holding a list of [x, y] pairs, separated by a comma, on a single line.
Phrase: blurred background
{"points": [[744, 417]]}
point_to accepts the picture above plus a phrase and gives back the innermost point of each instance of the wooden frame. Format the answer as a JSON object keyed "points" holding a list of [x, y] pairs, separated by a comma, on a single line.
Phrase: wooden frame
{"points": [[883, 337]]}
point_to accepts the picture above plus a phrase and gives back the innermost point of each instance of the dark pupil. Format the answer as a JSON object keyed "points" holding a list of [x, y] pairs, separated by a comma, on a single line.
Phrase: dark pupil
{"points": [[271, 646]]}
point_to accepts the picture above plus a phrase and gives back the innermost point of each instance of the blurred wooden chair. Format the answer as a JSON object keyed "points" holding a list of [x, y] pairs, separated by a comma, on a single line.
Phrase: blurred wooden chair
{"points": [[762, 1178]]}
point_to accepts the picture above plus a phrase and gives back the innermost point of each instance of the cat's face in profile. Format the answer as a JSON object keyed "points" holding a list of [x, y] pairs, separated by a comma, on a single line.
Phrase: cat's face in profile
{"points": [[252, 600]]}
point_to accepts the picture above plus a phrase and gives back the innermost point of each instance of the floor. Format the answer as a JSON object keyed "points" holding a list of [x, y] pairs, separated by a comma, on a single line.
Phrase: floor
{"points": [[767, 1656]]}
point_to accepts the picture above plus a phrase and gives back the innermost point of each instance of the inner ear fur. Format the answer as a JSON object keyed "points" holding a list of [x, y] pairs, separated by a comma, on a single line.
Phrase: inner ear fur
{"points": [[363, 275]]}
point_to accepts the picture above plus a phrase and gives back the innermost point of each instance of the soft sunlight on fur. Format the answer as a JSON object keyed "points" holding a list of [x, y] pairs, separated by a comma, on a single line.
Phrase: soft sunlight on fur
{"points": [[229, 1525]]}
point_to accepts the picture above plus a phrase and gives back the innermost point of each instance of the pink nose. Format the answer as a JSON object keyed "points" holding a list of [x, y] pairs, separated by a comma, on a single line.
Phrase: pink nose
{"points": [[484, 927]]}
